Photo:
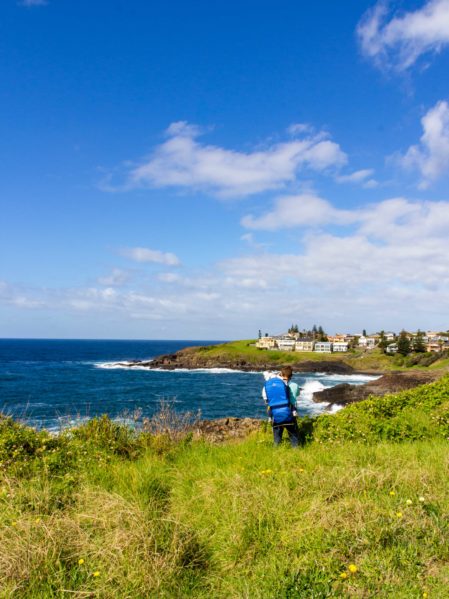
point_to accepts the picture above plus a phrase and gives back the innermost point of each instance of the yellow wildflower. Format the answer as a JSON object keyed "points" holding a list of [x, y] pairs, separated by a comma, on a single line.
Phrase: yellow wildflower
{"points": [[399, 514], [344, 575], [81, 561], [37, 520], [409, 502], [352, 568], [96, 573], [421, 499], [14, 523], [392, 493]]}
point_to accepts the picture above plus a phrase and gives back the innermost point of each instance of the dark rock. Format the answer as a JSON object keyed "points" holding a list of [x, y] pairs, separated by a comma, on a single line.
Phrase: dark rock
{"points": [[192, 357], [388, 383]]}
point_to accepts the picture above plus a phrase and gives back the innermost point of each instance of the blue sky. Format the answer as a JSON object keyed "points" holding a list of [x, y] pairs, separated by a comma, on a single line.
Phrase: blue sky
{"points": [[209, 169]]}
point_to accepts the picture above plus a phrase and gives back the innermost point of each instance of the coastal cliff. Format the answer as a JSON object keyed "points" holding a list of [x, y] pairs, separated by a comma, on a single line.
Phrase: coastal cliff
{"points": [[196, 357]]}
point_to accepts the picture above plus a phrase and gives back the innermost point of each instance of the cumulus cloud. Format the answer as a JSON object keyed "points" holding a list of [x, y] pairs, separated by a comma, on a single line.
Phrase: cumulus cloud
{"points": [[397, 42], [140, 254], [379, 272], [391, 264], [396, 242], [431, 155], [303, 210], [183, 161]]}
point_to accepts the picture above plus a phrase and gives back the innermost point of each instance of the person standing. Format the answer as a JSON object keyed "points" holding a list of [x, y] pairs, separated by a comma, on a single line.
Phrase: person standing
{"points": [[281, 403]]}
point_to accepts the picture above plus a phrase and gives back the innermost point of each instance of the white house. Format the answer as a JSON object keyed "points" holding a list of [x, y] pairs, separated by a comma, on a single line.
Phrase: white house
{"points": [[323, 346], [368, 342], [340, 346], [286, 343], [266, 343], [304, 345]]}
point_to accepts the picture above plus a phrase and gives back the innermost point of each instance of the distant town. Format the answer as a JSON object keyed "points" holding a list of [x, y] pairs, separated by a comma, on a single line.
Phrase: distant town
{"points": [[317, 340]]}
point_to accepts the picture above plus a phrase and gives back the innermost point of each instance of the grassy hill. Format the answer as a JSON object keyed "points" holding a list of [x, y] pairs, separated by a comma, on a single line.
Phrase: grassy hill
{"points": [[361, 510], [360, 360]]}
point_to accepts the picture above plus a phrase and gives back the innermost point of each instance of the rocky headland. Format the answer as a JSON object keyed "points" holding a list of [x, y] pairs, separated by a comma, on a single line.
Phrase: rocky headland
{"points": [[391, 382], [343, 394], [193, 357]]}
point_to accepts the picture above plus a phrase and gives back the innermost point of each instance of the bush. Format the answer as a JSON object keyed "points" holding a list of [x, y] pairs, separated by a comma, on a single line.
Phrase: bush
{"points": [[421, 413], [103, 433]]}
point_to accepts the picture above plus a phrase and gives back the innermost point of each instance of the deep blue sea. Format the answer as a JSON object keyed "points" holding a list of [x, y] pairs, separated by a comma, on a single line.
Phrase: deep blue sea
{"points": [[52, 383]]}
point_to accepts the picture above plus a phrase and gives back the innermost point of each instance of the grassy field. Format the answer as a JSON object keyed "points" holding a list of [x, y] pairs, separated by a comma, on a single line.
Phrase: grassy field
{"points": [[361, 510], [360, 360]]}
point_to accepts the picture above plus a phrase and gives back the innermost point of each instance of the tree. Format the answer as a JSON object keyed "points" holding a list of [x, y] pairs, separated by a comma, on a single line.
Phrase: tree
{"points": [[321, 334], [382, 341], [418, 342], [364, 332], [404, 345]]}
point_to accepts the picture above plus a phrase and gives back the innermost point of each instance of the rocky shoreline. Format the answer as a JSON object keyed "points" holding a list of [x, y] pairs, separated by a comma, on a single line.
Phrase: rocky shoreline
{"points": [[192, 358], [343, 394], [391, 382]]}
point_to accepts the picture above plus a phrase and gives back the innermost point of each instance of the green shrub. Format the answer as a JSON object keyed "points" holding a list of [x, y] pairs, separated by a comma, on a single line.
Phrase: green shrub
{"points": [[103, 433], [420, 413]]}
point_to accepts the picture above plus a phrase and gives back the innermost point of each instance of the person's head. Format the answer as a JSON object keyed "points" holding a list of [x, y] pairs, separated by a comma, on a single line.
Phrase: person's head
{"points": [[287, 372]]}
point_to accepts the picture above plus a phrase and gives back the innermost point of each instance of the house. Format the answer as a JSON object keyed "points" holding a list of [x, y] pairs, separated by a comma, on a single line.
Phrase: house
{"points": [[285, 343], [304, 345], [266, 343], [433, 346], [340, 346], [368, 342], [323, 346], [337, 337]]}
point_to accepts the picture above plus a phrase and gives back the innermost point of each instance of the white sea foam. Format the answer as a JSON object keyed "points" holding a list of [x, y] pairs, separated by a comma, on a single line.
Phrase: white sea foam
{"points": [[352, 378], [305, 400], [206, 370], [128, 365], [125, 365]]}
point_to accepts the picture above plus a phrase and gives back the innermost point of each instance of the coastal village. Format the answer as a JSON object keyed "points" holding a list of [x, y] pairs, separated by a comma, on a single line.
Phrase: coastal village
{"points": [[317, 340]]}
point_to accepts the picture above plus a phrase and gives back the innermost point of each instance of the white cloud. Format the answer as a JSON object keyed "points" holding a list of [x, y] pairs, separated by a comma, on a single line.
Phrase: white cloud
{"points": [[398, 43], [117, 278], [363, 176], [396, 242], [298, 128], [304, 210], [182, 161], [389, 270], [431, 156], [140, 254]]}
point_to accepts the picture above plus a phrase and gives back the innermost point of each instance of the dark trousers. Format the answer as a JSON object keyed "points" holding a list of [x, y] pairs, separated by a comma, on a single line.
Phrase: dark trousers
{"points": [[292, 430]]}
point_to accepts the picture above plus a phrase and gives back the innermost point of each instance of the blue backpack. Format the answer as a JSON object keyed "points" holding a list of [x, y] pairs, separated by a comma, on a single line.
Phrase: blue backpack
{"points": [[278, 400]]}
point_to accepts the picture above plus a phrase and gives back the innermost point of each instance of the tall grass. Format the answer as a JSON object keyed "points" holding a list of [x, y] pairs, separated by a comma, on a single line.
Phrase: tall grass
{"points": [[104, 512]]}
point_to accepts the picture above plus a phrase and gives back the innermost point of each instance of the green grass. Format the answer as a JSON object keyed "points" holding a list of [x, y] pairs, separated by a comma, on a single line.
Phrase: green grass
{"points": [[360, 360], [157, 518]]}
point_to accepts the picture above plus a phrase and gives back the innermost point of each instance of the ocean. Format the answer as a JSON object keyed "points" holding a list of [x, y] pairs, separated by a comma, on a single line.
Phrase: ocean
{"points": [[51, 383]]}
